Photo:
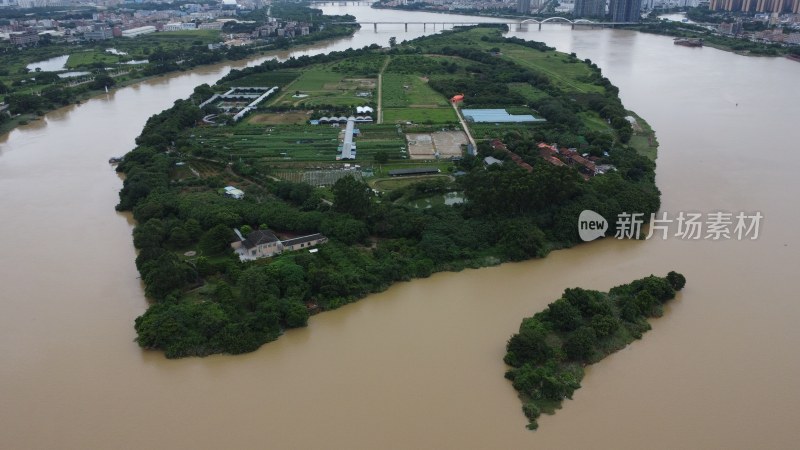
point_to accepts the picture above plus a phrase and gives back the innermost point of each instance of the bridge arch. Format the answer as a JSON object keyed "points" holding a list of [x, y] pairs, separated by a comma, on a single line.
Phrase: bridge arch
{"points": [[557, 19]]}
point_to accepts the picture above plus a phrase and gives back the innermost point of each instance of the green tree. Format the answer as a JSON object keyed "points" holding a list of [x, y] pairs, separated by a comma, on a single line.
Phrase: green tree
{"points": [[676, 280], [580, 345], [563, 315], [149, 234], [216, 241], [352, 197], [529, 345], [381, 157], [166, 275]]}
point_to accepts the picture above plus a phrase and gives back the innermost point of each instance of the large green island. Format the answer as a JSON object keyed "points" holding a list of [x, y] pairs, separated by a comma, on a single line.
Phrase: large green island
{"points": [[294, 188]]}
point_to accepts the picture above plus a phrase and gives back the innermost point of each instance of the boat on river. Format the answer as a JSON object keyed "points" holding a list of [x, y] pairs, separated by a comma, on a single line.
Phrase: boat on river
{"points": [[688, 42]]}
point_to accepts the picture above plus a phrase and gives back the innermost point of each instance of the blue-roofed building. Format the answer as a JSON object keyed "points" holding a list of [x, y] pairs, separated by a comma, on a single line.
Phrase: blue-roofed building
{"points": [[497, 116]]}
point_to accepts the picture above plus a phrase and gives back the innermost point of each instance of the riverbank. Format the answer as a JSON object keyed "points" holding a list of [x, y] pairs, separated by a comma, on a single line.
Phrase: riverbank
{"points": [[37, 97], [712, 39]]}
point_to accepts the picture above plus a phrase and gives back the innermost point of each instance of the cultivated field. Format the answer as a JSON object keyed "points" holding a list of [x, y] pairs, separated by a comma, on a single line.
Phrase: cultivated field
{"points": [[291, 117], [419, 115]]}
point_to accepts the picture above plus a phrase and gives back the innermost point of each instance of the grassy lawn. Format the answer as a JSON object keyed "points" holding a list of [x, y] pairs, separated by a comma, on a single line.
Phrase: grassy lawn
{"points": [[89, 57], [494, 131], [419, 115], [644, 138], [361, 66], [382, 171], [316, 79], [326, 88], [594, 122], [567, 75], [403, 90], [390, 184], [529, 92]]}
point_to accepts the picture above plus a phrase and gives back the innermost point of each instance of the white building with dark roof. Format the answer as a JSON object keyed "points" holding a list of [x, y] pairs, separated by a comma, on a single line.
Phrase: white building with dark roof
{"points": [[264, 244]]}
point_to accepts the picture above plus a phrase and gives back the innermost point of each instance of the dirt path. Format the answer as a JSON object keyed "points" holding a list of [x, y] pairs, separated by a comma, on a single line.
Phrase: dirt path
{"points": [[379, 119], [464, 126]]}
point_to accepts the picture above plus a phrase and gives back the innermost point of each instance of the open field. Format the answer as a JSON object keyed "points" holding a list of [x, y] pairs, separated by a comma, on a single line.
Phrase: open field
{"points": [[291, 117], [419, 115], [492, 131], [390, 184], [644, 139], [420, 146], [79, 59], [567, 75], [404, 90], [382, 170], [594, 122], [566, 72], [530, 93], [448, 143], [326, 88], [360, 66]]}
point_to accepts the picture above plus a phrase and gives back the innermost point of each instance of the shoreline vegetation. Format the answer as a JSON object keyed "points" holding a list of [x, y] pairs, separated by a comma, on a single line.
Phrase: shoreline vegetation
{"points": [[379, 229], [30, 95], [553, 346]]}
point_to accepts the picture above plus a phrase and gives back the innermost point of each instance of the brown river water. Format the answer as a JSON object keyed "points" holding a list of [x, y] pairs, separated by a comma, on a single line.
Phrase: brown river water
{"points": [[420, 365]]}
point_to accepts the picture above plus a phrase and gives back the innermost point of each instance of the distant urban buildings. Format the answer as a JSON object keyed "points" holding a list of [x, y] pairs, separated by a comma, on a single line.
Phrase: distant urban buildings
{"points": [[625, 10], [761, 6], [590, 8], [523, 6], [24, 38]]}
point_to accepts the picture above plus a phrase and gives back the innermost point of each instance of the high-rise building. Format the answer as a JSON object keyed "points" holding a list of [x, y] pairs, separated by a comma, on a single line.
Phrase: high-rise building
{"points": [[762, 6], [625, 10], [590, 8], [523, 6]]}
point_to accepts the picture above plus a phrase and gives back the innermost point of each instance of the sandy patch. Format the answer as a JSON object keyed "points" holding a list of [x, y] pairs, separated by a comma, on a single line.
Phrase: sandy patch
{"points": [[445, 144]]}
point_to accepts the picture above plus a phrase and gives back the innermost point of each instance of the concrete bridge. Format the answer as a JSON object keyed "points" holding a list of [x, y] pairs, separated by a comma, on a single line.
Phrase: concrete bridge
{"points": [[519, 24]]}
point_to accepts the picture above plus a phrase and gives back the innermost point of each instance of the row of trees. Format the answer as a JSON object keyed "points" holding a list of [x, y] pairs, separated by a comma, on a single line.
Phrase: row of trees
{"points": [[548, 353]]}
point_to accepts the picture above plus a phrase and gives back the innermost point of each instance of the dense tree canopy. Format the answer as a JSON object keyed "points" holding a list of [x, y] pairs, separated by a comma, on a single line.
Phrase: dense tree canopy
{"points": [[582, 327]]}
